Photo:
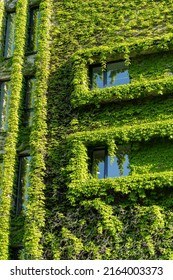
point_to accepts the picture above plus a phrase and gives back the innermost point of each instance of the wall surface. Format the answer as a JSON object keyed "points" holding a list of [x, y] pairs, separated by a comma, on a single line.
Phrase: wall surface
{"points": [[128, 217], [69, 213]]}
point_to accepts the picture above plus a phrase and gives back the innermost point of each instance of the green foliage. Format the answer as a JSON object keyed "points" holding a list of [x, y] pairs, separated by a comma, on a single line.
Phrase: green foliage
{"points": [[1, 24], [149, 74], [69, 214], [28, 226], [114, 218], [11, 36], [34, 220], [12, 132]]}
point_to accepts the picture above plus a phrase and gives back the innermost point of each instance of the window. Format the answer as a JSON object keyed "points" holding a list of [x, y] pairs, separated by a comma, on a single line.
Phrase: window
{"points": [[116, 73], [15, 252], [33, 29], [5, 94], [29, 100], [10, 34], [23, 183], [105, 166], [1, 172]]}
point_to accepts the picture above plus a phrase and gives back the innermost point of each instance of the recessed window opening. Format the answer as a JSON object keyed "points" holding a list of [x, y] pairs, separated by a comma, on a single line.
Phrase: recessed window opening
{"points": [[15, 252], [23, 183], [10, 34], [33, 29], [30, 85], [5, 94], [105, 166], [116, 73]]}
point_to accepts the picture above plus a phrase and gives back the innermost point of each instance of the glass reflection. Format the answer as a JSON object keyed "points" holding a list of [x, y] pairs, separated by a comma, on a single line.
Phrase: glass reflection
{"points": [[117, 74], [33, 32], [97, 77], [29, 101], [98, 167], [114, 169], [5, 94], [10, 34], [105, 166], [23, 183]]}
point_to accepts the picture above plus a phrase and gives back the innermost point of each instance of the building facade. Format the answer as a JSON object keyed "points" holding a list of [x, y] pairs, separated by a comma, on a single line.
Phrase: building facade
{"points": [[86, 128]]}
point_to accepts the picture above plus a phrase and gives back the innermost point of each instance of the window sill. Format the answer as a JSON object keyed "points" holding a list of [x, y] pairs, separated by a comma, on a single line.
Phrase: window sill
{"points": [[123, 185], [134, 90], [30, 53]]}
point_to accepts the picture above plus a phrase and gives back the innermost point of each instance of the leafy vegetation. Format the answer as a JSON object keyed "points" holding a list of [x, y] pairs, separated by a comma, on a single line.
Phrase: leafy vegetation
{"points": [[113, 218], [69, 214]]}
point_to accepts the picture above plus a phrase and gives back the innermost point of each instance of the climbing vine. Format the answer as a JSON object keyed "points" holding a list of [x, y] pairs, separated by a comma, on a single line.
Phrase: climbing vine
{"points": [[70, 214], [157, 82], [115, 216], [1, 22], [35, 213], [31, 220], [12, 131]]}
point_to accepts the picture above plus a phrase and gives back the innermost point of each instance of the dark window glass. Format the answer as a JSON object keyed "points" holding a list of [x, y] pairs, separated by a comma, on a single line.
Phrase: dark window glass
{"points": [[104, 166], [116, 73], [10, 34], [15, 252], [29, 101], [5, 94], [33, 30], [23, 183], [1, 173]]}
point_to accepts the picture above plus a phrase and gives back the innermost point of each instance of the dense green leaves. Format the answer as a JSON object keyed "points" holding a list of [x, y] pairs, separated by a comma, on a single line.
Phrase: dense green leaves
{"points": [[12, 131], [69, 214], [126, 217]]}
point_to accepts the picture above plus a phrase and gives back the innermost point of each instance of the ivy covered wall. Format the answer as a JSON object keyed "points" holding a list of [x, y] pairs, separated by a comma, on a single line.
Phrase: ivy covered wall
{"points": [[127, 217], [22, 231], [69, 213]]}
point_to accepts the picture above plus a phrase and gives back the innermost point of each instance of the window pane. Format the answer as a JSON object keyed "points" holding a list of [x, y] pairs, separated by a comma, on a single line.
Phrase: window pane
{"points": [[34, 23], [105, 166], [14, 253], [117, 74], [1, 175], [97, 77], [114, 169], [10, 34], [126, 169], [5, 94], [23, 183], [98, 165], [29, 101]]}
